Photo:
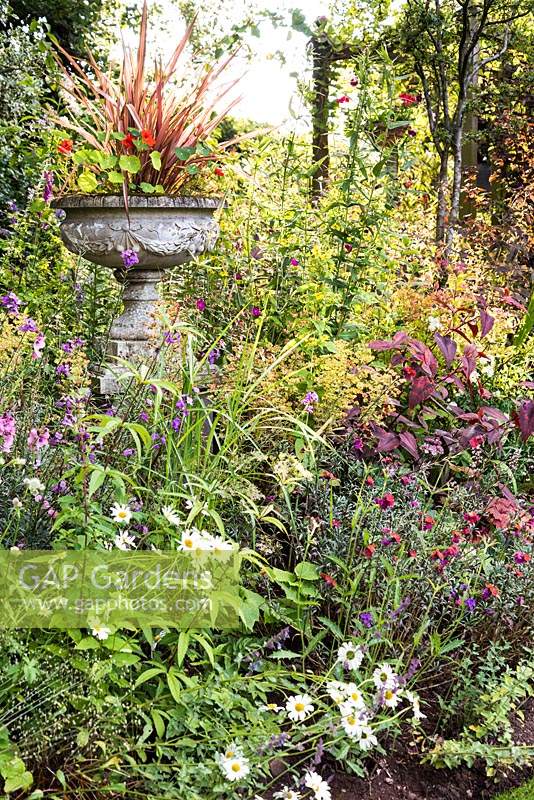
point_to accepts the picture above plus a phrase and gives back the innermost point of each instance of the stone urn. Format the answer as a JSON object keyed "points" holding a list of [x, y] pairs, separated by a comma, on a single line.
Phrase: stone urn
{"points": [[163, 232]]}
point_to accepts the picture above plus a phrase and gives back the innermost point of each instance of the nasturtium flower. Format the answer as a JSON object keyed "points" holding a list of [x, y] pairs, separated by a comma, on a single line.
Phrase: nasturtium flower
{"points": [[298, 707], [148, 138], [65, 147]]}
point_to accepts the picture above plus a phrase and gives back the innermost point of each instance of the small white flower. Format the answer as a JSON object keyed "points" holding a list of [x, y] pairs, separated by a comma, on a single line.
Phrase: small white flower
{"points": [[474, 376], [351, 655], [391, 698], [351, 722], [353, 696], [121, 513], [219, 545], [14, 548], [235, 768], [100, 631], [416, 708], [487, 367], [384, 677], [34, 485], [298, 707], [366, 738], [287, 794], [319, 787], [336, 691], [190, 541], [434, 324], [171, 515], [16, 503], [123, 541], [272, 707]]}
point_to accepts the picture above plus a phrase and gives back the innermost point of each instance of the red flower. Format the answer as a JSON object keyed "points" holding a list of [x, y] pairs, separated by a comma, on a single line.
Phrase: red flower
{"points": [[336, 523], [472, 517], [370, 481], [409, 372], [408, 99], [348, 247], [219, 172], [328, 475], [128, 141], [328, 579], [428, 522], [387, 501], [369, 550], [395, 537], [476, 441], [65, 147], [147, 138], [412, 553], [492, 590], [343, 99]]}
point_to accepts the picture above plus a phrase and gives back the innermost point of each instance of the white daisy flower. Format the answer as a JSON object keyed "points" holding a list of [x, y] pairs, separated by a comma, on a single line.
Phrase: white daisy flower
{"points": [[391, 698], [353, 696], [272, 707], [121, 513], [287, 794], [351, 655], [319, 787], [336, 690], [384, 677], [236, 768], [366, 738], [298, 707], [190, 541], [171, 515], [100, 631], [416, 708], [351, 722], [123, 541], [219, 545], [34, 485]]}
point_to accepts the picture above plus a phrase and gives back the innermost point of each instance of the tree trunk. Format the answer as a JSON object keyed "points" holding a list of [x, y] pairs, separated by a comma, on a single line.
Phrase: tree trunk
{"points": [[321, 84], [443, 185], [454, 217]]}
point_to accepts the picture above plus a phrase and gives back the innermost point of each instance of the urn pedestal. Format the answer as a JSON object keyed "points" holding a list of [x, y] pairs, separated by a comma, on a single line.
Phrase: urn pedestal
{"points": [[163, 232]]}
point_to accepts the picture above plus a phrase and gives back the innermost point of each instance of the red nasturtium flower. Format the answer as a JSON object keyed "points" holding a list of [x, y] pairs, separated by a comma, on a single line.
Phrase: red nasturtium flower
{"points": [[65, 147], [428, 522], [219, 172], [369, 550], [128, 141], [408, 99], [328, 579], [147, 138]]}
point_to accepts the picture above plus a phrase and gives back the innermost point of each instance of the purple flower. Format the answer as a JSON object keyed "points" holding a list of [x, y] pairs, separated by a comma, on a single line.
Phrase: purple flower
{"points": [[48, 190], [255, 311], [60, 214], [470, 603], [12, 206], [129, 258], [213, 355], [28, 326], [63, 369], [201, 304], [38, 439], [357, 444], [309, 402], [71, 345], [366, 618], [38, 346], [143, 416], [128, 451], [171, 338], [176, 424], [11, 303], [294, 262]]}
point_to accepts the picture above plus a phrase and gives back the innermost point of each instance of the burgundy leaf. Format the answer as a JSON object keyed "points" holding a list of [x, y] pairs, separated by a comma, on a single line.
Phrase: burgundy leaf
{"points": [[399, 340], [425, 357], [409, 443], [422, 389], [447, 347], [387, 442], [525, 419], [486, 323], [495, 413], [469, 359]]}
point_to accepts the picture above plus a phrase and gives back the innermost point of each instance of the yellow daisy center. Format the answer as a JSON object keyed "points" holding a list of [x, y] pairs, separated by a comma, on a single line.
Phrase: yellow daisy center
{"points": [[388, 694], [188, 543], [236, 767], [299, 707]]}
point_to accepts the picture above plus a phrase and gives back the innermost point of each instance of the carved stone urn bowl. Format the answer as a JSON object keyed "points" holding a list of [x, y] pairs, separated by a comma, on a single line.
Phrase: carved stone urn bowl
{"points": [[163, 232]]}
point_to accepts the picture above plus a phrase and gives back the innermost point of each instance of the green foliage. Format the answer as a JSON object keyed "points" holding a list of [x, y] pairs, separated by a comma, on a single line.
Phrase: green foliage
{"points": [[525, 792]]}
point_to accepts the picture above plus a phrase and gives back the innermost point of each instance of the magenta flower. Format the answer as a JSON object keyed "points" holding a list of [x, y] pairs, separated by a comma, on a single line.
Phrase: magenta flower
{"points": [[129, 258], [294, 262], [38, 439], [7, 432], [387, 501], [201, 304], [521, 558], [309, 401], [255, 311], [48, 190], [38, 346]]}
